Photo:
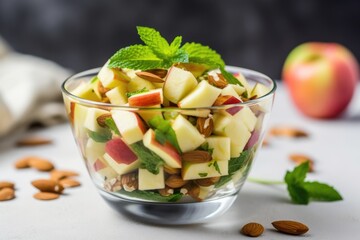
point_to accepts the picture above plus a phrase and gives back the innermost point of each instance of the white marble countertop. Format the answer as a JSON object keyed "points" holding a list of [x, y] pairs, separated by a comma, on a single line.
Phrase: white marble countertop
{"points": [[82, 214]]}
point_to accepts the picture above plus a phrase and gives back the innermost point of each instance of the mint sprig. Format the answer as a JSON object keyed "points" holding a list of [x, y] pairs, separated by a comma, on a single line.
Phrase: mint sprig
{"points": [[302, 191], [148, 159], [158, 53]]}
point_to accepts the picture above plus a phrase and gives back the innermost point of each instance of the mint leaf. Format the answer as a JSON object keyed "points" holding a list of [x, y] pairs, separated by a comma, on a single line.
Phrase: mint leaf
{"points": [[153, 196], [109, 122], [164, 132], [155, 42], [216, 166], [203, 174], [298, 175], [100, 137], [176, 43], [179, 56], [148, 159], [135, 57], [129, 94], [203, 54], [230, 78], [321, 191], [298, 193]]}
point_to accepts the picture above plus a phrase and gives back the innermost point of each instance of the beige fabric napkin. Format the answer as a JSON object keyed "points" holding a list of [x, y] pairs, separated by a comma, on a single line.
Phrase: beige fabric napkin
{"points": [[29, 90]]}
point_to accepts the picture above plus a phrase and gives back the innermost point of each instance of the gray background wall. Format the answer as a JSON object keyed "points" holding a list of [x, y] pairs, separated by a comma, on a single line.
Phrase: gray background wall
{"points": [[257, 34]]}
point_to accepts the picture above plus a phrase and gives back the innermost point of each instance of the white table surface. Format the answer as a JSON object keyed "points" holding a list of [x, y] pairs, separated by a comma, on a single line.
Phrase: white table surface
{"points": [[82, 214]]}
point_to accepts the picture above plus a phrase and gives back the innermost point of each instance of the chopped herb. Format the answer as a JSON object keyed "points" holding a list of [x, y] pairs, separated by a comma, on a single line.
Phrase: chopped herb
{"points": [[100, 137], [216, 166], [203, 174], [143, 90], [109, 122], [148, 159]]}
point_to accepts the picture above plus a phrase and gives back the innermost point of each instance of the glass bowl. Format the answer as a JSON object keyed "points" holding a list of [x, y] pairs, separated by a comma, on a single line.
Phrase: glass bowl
{"points": [[153, 181]]}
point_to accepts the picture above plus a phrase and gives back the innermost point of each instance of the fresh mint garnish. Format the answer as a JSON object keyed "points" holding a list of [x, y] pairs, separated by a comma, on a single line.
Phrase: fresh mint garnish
{"points": [[205, 147], [203, 174], [148, 159], [143, 90], [230, 78], [158, 53], [100, 137], [109, 122], [164, 132]]}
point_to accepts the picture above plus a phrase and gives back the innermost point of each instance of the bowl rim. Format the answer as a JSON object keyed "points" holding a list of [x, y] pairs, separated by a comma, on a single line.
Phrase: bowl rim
{"points": [[233, 69]]}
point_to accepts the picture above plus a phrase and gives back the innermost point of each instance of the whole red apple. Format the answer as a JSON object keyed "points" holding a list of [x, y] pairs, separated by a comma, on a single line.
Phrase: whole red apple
{"points": [[321, 78]]}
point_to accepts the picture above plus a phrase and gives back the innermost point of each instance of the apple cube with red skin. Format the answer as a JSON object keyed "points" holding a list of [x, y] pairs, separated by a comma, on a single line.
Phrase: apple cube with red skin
{"points": [[187, 135], [166, 151], [204, 95], [120, 157], [150, 181], [151, 98], [227, 100], [110, 77], [178, 84], [117, 95], [103, 169], [130, 125]]}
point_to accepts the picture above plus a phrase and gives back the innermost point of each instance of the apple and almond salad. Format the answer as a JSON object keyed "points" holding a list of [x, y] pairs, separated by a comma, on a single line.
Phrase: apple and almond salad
{"points": [[169, 124]]}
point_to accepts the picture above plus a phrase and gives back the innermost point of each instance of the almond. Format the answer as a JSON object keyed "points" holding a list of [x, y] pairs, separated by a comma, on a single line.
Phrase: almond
{"points": [[61, 174], [158, 72], [301, 158], [47, 185], [290, 227], [252, 229], [170, 170], [113, 184], [175, 181], [69, 183], [101, 89], [46, 196], [205, 126], [193, 191], [150, 77], [219, 81], [40, 164], [33, 141], [6, 184], [166, 191], [22, 163], [7, 194], [288, 132], [206, 182], [197, 156], [101, 119], [129, 182]]}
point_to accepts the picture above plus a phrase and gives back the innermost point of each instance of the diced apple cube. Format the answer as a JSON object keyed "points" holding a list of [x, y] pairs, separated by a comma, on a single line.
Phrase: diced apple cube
{"points": [[94, 150], [247, 117], [78, 114], [120, 157], [188, 137], [153, 97], [196, 113], [220, 146], [136, 83], [238, 89], [178, 84], [86, 91], [229, 90], [205, 192], [166, 151], [130, 126], [259, 90], [146, 115], [117, 95], [192, 171], [150, 181], [204, 95], [196, 69], [244, 82], [110, 77], [91, 119], [103, 169]]}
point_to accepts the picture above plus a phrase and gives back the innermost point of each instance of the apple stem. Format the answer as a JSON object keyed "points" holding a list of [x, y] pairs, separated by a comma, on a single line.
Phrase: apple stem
{"points": [[266, 182]]}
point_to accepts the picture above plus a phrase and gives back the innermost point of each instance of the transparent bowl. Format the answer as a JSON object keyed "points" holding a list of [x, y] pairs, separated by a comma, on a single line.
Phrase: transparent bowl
{"points": [[198, 191]]}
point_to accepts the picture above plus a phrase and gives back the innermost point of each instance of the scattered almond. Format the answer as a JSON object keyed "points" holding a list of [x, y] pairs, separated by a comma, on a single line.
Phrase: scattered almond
{"points": [[170, 170], [197, 156], [22, 163], [47, 185], [219, 82], [205, 126], [301, 158], [288, 132], [252, 229], [40, 164], [206, 182], [7, 194], [149, 77], [290, 227], [158, 72], [101, 119], [69, 183], [6, 184], [61, 174], [33, 141], [46, 196], [175, 181]]}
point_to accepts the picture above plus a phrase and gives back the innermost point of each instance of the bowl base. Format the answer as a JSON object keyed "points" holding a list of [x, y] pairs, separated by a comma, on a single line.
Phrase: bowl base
{"points": [[170, 213]]}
